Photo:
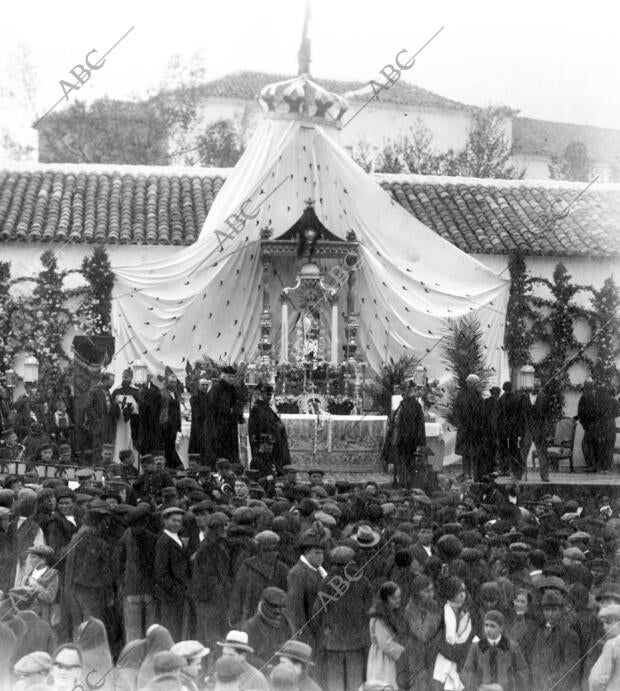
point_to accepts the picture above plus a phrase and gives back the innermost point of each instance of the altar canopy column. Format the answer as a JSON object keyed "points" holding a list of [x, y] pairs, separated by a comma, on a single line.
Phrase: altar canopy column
{"points": [[334, 357], [284, 330]]}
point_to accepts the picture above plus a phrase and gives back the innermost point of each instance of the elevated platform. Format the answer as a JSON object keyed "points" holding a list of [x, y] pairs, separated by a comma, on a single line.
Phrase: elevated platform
{"points": [[568, 480]]}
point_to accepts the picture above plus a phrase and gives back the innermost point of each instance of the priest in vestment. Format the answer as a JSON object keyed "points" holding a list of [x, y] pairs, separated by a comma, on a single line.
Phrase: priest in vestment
{"points": [[125, 398]]}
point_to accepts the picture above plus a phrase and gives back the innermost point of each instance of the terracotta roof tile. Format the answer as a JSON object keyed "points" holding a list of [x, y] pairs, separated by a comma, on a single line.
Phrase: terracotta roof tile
{"points": [[167, 206]]}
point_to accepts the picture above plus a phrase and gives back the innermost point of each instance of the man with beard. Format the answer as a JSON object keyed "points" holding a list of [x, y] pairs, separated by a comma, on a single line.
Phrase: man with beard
{"points": [[199, 403], [268, 441], [100, 414], [225, 414], [125, 398], [170, 419]]}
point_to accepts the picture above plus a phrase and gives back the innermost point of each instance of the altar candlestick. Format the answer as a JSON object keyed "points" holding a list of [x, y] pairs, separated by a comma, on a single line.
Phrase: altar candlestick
{"points": [[284, 332], [334, 357]]}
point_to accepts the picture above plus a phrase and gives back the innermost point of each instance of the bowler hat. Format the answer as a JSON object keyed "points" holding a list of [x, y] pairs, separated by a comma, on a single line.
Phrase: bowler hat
{"points": [[296, 650]]}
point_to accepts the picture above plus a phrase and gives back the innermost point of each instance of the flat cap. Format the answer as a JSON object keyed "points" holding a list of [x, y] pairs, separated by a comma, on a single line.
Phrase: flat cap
{"points": [[579, 536], [217, 520], [228, 669], [171, 511], [33, 663], [327, 520], [267, 538], [84, 473], [274, 596], [243, 515], [190, 649], [552, 599], [574, 553], [342, 555], [167, 661]]}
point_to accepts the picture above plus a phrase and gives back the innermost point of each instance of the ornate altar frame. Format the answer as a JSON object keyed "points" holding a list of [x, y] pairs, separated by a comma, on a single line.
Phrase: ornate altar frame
{"points": [[308, 241]]}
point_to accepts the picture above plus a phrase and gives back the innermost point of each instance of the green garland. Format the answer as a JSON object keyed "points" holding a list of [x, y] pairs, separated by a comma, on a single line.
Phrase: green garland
{"points": [[97, 305], [518, 338], [605, 325]]}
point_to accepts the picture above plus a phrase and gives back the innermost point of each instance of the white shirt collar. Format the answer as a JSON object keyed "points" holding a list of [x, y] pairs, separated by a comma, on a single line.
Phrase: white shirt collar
{"points": [[321, 571], [174, 536]]}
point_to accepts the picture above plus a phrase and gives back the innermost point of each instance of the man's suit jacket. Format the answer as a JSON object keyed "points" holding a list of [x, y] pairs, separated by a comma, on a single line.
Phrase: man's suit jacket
{"points": [[420, 554], [303, 584], [172, 569]]}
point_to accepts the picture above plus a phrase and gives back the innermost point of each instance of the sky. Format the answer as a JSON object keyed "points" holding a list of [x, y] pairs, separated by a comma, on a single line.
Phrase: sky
{"points": [[547, 59]]}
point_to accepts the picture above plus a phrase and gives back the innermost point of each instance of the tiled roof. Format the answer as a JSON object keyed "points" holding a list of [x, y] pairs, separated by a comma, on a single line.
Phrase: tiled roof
{"points": [[247, 85], [167, 206], [546, 138]]}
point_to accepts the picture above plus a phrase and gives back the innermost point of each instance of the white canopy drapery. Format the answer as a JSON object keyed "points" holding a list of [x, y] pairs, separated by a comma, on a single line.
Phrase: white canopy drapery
{"points": [[206, 299]]}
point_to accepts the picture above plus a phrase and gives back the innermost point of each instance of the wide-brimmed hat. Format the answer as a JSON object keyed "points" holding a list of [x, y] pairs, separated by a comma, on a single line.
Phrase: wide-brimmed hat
{"points": [[237, 640], [366, 537], [43, 551]]}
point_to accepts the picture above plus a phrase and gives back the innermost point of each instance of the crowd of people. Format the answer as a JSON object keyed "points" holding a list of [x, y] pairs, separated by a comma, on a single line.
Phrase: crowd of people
{"points": [[162, 577], [203, 579]]}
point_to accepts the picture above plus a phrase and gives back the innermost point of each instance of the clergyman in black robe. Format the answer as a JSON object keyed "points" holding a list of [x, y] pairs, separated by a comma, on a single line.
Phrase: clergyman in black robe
{"points": [[225, 414], [468, 415], [149, 405], [199, 403], [409, 434], [268, 440]]}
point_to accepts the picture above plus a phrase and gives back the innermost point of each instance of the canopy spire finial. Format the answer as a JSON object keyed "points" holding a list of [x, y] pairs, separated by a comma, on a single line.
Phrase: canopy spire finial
{"points": [[303, 55]]}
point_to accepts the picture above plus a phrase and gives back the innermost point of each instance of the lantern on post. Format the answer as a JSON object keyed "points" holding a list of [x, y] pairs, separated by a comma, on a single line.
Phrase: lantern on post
{"points": [[420, 377], [139, 373], [31, 370], [526, 378], [10, 381]]}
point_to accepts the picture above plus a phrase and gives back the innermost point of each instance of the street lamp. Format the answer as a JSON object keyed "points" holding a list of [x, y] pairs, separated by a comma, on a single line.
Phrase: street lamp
{"points": [[419, 376], [526, 378], [31, 370]]}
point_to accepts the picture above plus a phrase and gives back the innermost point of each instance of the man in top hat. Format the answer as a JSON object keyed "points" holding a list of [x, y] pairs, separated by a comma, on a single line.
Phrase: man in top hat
{"points": [[226, 413], [408, 435], [171, 572], [125, 398], [236, 645], [267, 433], [100, 414]]}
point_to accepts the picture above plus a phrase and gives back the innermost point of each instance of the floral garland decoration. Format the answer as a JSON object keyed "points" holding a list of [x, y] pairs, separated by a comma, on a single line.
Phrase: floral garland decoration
{"points": [[95, 317], [518, 337], [605, 325], [7, 344]]}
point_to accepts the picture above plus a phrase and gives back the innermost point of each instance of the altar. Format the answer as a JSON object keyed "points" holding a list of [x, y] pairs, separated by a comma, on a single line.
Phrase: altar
{"points": [[335, 443]]}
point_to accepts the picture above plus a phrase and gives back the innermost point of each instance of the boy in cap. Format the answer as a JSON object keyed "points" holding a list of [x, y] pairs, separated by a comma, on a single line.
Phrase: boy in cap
{"points": [[494, 662], [31, 669], [193, 652]]}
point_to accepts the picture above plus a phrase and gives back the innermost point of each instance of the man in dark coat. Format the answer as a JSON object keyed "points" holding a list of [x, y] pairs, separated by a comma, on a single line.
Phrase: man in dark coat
{"points": [[212, 582], [590, 415], [556, 650], [170, 420], [490, 407], [509, 417], [469, 420], [256, 574], [268, 440], [100, 414], [303, 584], [149, 404], [89, 568], [135, 556], [342, 622], [269, 628], [409, 435], [199, 402], [151, 481], [225, 414], [542, 429], [171, 573]]}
